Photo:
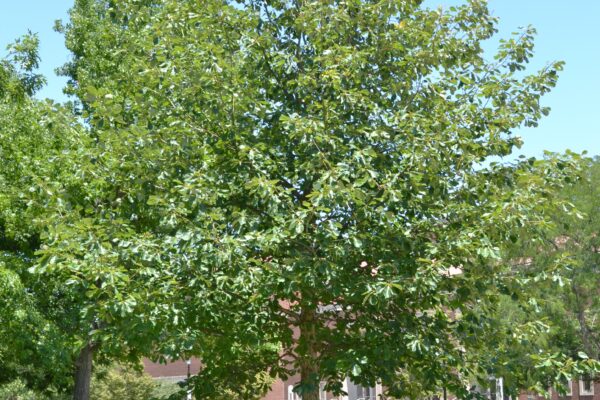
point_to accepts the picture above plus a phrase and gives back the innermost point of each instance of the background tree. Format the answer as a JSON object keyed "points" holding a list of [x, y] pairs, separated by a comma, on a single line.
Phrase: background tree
{"points": [[32, 133], [44, 318], [556, 316], [567, 307], [577, 235]]}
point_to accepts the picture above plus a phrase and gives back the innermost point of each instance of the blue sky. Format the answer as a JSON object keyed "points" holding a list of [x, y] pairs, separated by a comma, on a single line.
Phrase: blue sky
{"points": [[567, 30], [38, 16]]}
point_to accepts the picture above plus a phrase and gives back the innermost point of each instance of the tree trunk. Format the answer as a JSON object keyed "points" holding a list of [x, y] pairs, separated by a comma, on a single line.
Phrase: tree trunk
{"points": [[587, 336], [83, 373], [309, 369], [307, 377]]}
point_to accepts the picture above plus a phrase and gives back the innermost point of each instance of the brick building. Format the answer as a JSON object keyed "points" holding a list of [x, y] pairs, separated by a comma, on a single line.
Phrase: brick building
{"points": [[176, 371], [584, 389], [280, 390]]}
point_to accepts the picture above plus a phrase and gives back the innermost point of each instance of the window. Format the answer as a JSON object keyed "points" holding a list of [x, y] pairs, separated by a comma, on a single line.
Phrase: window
{"points": [[569, 388], [496, 391], [586, 387], [365, 393], [292, 395], [499, 389], [322, 391]]}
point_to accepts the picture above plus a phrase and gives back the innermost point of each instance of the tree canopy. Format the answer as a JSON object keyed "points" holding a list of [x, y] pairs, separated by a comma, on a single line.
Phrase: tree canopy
{"points": [[298, 187]]}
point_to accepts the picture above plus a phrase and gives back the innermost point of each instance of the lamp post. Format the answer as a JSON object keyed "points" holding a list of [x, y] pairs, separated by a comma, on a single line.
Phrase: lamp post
{"points": [[189, 393]]}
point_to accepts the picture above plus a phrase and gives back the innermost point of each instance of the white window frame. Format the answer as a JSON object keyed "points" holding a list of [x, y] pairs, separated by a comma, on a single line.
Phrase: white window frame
{"points": [[582, 391]]}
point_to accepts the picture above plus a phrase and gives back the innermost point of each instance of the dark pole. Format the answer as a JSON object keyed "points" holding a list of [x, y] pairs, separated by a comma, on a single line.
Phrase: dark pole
{"points": [[445, 395], [189, 364]]}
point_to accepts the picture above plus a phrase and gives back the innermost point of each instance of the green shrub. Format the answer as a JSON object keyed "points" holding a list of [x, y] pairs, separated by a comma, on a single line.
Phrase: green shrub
{"points": [[121, 382], [17, 390], [124, 382], [168, 391]]}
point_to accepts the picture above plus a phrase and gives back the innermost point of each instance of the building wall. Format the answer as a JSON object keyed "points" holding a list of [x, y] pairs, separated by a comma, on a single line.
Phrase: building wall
{"points": [[177, 371], [278, 391], [575, 388], [173, 369]]}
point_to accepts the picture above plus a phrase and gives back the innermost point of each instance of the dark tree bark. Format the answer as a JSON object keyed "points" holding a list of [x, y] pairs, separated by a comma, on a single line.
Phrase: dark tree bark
{"points": [[83, 373], [588, 338], [309, 369], [307, 374]]}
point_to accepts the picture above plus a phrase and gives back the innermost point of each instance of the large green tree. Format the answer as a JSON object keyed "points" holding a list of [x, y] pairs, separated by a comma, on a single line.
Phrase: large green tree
{"points": [[299, 186]]}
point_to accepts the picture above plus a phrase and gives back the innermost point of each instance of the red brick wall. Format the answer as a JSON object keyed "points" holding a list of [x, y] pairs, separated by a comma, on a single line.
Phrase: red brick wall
{"points": [[278, 391], [575, 394], [179, 368], [175, 368]]}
